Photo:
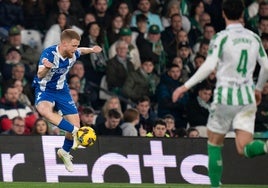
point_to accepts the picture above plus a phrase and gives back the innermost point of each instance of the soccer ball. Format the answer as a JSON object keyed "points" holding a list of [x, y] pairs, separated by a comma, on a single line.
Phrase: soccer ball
{"points": [[86, 136]]}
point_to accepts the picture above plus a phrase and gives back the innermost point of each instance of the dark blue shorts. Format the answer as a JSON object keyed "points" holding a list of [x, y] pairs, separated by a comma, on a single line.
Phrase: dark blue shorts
{"points": [[61, 99]]}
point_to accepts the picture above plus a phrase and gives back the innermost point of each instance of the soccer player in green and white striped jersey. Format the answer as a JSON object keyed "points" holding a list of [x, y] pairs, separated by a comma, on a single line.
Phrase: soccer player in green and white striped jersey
{"points": [[234, 53]]}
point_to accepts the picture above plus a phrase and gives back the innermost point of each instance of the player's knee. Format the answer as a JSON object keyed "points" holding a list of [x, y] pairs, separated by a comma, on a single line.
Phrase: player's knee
{"points": [[43, 111]]}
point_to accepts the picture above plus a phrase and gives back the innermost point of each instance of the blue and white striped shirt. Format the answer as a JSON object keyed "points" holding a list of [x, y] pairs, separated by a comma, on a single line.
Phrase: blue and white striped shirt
{"points": [[55, 79]]}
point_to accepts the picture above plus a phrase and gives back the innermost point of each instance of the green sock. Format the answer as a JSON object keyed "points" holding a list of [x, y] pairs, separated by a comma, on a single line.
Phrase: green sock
{"points": [[255, 148], [215, 167]]}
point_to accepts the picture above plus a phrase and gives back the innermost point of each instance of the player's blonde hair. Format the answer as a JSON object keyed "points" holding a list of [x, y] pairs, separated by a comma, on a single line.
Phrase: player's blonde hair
{"points": [[69, 34]]}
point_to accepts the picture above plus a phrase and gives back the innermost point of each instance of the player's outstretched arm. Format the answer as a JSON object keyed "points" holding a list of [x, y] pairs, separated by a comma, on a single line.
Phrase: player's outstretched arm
{"points": [[94, 49]]}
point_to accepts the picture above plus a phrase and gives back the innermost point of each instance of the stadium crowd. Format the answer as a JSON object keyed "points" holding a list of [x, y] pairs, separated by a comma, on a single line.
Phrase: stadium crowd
{"points": [[150, 47]]}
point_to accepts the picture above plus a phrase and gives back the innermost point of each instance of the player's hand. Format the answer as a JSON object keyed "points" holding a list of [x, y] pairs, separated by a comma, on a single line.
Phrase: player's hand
{"points": [[258, 96], [96, 49], [178, 93], [47, 64]]}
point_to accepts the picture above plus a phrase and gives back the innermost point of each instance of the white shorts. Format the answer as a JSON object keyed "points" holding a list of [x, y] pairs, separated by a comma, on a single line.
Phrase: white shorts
{"points": [[224, 118]]}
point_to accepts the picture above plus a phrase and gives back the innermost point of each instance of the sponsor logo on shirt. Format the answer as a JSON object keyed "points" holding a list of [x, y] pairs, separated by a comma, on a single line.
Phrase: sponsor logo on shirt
{"points": [[59, 70]]}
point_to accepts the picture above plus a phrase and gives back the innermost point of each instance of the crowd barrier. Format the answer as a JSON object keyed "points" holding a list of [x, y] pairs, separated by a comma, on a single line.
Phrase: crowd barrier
{"points": [[126, 160]]}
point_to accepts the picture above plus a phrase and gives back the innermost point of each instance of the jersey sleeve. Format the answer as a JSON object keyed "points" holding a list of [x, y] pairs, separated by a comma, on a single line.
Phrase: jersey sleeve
{"points": [[214, 53], [263, 62], [77, 53], [46, 54]]}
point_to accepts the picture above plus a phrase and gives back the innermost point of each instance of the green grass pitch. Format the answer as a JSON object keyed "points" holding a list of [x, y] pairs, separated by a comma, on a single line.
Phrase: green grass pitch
{"points": [[112, 185]]}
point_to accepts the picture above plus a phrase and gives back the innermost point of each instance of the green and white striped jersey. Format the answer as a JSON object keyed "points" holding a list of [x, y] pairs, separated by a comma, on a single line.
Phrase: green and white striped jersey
{"points": [[234, 53]]}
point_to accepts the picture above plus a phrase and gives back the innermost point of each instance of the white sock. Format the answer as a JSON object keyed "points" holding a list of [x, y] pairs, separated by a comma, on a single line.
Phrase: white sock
{"points": [[75, 129]]}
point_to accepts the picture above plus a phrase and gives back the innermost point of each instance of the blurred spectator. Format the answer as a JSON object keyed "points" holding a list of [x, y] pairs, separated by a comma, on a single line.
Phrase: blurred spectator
{"points": [[17, 127], [185, 52], [144, 8], [10, 107], [203, 47], [29, 56], [184, 74], [168, 83], [100, 11], [198, 108], [112, 103], [40, 127], [88, 18], [141, 82], [11, 13], [88, 95], [118, 68], [12, 57], [126, 35], [199, 105], [87, 116], [18, 73], [178, 61], [263, 25], [264, 40], [182, 36], [169, 34], [152, 47], [204, 20], [75, 96], [123, 9], [159, 129], [130, 119], [3, 39], [22, 97], [252, 22], [172, 48], [64, 6], [74, 82], [111, 125], [170, 121], [211, 80], [251, 8], [209, 32], [173, 7], [52, 36], [261, 121], [113, 30], [192, 133], [198, 61], [214, 9], [147, 116], [34, 14], [141, 28], [179, 133], [197, 9], [156, 6], [95, 64]]}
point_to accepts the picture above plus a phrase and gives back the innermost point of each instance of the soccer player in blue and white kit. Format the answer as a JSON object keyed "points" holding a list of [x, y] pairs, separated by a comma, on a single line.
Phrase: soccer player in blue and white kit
{"points": [[233, 52], [51, 89]]}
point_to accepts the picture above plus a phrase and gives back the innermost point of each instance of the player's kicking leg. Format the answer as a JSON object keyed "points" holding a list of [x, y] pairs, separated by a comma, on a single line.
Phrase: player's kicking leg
{"points": [[247, 146], [70, 141]]}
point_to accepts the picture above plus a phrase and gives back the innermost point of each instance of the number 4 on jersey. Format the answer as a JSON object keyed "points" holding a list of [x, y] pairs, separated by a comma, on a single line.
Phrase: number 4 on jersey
{"points": [[243, 61]]}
